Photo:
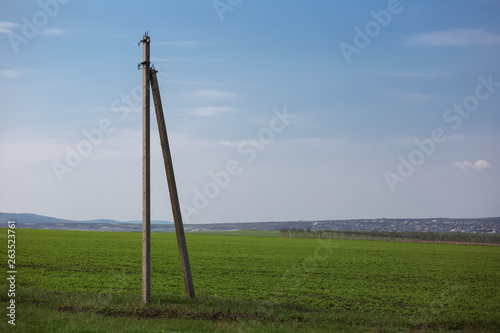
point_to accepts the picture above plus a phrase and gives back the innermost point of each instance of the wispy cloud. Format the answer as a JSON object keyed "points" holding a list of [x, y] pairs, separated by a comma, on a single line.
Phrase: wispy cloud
{"points": [[238, 143], [203, 95], [6, 27], [327, 142], [11, 74], [406, 95], [454, 37], [53, 32], [168, 59], [416, 96], [185, 43], [413, 74], [15, 74], [210, 110], [181, 80], [227, 143], [478, 165]]}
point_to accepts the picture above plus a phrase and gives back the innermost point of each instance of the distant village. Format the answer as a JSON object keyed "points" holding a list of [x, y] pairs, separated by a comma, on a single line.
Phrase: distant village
{"points": [[419, 225]]}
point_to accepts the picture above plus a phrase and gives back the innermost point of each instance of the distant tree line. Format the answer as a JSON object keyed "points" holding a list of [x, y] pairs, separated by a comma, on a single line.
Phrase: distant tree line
{"points": [[451, 237]]}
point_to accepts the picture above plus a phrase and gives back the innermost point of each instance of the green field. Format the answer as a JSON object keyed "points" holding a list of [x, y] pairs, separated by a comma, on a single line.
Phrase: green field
{"points": [[72, 281]]}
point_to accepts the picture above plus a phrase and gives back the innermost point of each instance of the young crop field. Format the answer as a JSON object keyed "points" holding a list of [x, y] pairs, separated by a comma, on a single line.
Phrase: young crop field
{"points": [[82, 281]]}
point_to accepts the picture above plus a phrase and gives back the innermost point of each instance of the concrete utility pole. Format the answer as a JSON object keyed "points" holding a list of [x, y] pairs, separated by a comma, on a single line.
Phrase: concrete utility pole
{"points": [[172, 187], [146, 183]]}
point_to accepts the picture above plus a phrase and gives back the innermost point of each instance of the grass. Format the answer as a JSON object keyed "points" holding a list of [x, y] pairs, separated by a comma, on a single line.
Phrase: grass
{"points": [[248, 232], [71, 281]]}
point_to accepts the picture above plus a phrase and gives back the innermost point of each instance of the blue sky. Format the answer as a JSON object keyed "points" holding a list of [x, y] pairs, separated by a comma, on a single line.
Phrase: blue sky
{"points": [[276, 110]]}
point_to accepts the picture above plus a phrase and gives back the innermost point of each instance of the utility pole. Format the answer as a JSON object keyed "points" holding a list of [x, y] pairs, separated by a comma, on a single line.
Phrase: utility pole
{"points": [[172, 187], [149, 79], [146, 178]]}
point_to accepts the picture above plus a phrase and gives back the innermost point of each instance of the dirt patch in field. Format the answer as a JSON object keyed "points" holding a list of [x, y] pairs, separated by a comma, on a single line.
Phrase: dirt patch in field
{"points": [[399, 304], [166, 313], [171, 313], [176, 314], [71, 309]]}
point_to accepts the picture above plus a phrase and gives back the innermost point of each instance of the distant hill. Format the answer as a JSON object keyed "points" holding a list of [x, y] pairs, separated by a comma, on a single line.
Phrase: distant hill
{"points": [[31, 218], [462, 225], [34, 218]]}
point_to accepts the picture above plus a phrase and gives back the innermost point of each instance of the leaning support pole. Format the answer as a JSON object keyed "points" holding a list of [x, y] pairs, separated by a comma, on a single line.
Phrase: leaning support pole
{"points": [[146, 184], [174, 199]]}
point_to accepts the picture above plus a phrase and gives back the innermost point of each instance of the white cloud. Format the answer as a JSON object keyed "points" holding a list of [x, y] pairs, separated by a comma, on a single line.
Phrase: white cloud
{"points": [[454, 37], [210, 110], [478, 165], [462, 165], [53, 32], [210, 95], [6, 27], [481, 164]]}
